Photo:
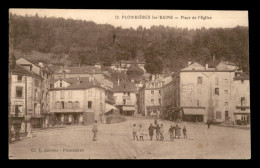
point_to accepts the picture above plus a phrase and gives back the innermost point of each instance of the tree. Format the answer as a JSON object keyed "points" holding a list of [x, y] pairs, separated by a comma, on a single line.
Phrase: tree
{"points": [[134, 71]]}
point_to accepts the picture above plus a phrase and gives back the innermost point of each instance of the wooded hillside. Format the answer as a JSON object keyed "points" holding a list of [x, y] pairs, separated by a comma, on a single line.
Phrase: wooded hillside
{"points": [[77, 42]]}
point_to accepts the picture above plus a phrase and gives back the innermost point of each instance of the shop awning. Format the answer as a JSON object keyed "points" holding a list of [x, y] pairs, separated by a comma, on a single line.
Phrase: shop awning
{"points": [[190, 111], [109, 107], [128, 108]]}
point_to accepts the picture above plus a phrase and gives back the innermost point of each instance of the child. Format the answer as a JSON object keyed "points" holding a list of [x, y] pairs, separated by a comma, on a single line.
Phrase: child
{"points": [[95, 130], [151, 131], [141, 133], [135, 132]]}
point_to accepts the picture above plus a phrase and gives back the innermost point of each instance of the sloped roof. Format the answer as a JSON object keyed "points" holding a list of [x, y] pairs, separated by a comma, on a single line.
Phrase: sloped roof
{"points": [[21, 70], [125, 86], [243, 76], [81, 70], [85, 83]]}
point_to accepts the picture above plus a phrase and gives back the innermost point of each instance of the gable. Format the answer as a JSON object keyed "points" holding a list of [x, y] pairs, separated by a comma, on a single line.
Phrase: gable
{"points": [[194, 66]]}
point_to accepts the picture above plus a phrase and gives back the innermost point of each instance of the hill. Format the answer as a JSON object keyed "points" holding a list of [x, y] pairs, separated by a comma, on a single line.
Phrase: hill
{"points": [[77, 42]]}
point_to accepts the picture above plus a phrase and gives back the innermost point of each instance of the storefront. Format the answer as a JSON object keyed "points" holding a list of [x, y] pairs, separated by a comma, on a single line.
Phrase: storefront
{"points": [[128, 110], [69, 118], [193, 114], [153, 111], [242, 117]]}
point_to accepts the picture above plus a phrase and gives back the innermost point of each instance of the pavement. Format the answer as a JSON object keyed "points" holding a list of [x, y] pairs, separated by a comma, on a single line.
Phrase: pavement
{"points": [[115, 141]]}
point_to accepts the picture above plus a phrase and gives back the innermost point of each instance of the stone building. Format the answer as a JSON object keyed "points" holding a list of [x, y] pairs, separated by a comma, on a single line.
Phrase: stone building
{"points": [[125, 97], [25, 97], [78, 100], [201, 93]]}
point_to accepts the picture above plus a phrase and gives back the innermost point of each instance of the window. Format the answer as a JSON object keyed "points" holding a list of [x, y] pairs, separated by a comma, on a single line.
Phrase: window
{"points": [[218, 115], [19, 92], [159, 101], [57, 105], [89, 104], [70, 94], [128, 93], [90, 93], [60, 84], [226, 92], [152, 100], [152, 92], [226, 81], [18, 109], [199, 80], [76, 104], [199, 91], [70, 105], [62, 94], [62, 105], [159, 92], [198, 103], [226, 104], [216, 91], [243, 101], [124, 101], [101, 95], [19, 78], [242, 81], [216, 80]]}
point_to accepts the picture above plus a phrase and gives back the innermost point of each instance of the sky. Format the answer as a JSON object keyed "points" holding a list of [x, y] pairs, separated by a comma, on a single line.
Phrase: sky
{"points": [[146, 18]]}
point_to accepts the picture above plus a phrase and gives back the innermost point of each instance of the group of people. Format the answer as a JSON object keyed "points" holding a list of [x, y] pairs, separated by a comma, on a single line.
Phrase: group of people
{"points": [[174, 131]]}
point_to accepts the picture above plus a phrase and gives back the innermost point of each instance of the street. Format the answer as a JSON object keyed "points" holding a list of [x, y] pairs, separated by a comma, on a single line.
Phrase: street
{"points": [[115, 141]]}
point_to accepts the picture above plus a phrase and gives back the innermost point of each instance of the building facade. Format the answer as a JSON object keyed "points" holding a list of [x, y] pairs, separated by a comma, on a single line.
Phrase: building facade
{"points": [[42, 70], [125, 98], [76, 101], [200, 93], [25, 97]]}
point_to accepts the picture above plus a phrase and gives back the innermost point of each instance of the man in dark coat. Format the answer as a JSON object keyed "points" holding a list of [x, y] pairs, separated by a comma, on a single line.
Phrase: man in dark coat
{"points": [[157, 132], [151, 131], [208, 122]]}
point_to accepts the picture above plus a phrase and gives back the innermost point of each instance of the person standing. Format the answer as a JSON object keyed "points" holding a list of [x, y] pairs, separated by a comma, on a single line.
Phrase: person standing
{"points": [[208, 122], [161, 132], [151, 131], [176, 130], [184, 132], [157, 132], [171, 133], [141, 133], [135, 132], [95, 130], [155, 122]]}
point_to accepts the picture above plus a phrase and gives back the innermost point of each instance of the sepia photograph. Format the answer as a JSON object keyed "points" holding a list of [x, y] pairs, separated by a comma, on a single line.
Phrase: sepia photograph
{"points": [[128, 84]]}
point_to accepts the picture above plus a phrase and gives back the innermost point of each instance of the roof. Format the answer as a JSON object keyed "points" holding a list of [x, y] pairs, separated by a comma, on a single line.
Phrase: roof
{"points": [[125, 86], [243, 76], [80, 70], [84, 84], [228, 63], [21, 70]]}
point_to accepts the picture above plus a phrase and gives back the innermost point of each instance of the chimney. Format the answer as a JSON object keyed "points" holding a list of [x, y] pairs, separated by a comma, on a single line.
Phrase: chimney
{"points": [[206, 66], [189, 62]]}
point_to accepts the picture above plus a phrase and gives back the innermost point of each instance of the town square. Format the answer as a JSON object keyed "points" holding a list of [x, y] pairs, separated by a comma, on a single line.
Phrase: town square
{"points": [[83, 89]]}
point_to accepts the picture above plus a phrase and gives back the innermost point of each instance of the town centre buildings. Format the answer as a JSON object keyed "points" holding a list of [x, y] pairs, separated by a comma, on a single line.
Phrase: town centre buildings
{"points": [[200, 93]]}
